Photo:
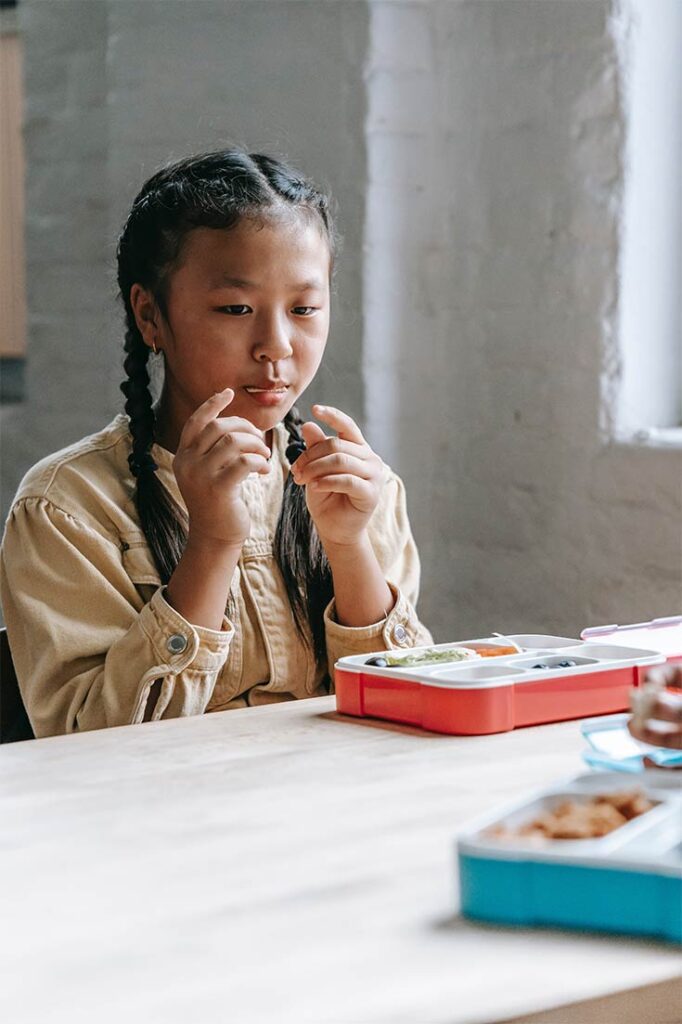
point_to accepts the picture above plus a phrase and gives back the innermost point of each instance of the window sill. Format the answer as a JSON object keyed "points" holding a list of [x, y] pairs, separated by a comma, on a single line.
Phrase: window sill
{"points": [[655, 437]]}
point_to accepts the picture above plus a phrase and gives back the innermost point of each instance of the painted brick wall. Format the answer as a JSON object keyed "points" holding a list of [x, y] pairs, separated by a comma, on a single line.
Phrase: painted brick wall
{"points": [[477, 160], [116, 87], [495, 137], [66, 234]]}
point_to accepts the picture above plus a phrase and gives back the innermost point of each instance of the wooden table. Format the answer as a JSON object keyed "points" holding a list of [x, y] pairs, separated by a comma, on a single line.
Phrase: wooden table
{"points": [[282, 864]]}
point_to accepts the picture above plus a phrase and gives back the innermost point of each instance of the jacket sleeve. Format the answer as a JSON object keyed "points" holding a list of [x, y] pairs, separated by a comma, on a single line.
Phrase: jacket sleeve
{"points": [[85, 646], [396, 551]]}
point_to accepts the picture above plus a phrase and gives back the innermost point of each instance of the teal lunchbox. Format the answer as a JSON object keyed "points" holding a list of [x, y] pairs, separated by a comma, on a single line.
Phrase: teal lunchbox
{"points": [[628, 881]]}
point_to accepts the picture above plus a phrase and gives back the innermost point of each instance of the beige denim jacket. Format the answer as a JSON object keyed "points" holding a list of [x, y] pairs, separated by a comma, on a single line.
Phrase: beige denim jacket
{"points": [[89, 628]]}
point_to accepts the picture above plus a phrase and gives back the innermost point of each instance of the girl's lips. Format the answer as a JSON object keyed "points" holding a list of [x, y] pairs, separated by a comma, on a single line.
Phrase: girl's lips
{"points": [[273, 396]]}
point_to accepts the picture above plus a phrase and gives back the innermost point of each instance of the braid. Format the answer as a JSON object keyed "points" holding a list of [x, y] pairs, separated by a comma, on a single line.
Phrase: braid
{"points": [[160, 517], [299, 553], [138, 403], [296, 446]]}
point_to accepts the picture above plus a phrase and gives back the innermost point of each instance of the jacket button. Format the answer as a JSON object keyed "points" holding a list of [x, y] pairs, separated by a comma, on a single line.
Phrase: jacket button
{"points": [[176, 643], [399, 634]]}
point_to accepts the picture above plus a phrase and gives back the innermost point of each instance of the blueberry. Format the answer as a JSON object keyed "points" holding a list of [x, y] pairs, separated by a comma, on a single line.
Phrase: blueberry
{"points": [[377, 662], [540, 666], [566, 664]]}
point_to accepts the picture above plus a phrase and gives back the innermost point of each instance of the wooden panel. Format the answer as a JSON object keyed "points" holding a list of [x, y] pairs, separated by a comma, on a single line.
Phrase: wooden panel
{"points": [[654, 1004], [12, 250]]}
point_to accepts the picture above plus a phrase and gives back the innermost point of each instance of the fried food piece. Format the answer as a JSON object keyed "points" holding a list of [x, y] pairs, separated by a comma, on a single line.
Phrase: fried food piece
{"points": [[578, 819], [630, 803]]}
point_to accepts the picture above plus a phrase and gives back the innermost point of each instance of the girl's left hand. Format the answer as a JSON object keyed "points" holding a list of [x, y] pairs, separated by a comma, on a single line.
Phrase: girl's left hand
{"points": [[343, 477]]}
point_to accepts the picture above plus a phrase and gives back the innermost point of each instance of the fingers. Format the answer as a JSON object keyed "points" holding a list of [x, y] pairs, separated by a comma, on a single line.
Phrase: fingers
{"points": [[660, 724], [649, 762], [325, 446], [312, 435], [230, 434], [229, 448], [347, 454], [658, 715], [662, 734], [206, 412], [328, 445], [339, 463], [361, 492], [242, 466], [341, 422], [665, 675], [668, 708], [665, 708]]}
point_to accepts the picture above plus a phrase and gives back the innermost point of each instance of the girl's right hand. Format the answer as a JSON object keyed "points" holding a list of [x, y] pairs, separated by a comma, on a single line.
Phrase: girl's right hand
{"points": [[214, 457]]}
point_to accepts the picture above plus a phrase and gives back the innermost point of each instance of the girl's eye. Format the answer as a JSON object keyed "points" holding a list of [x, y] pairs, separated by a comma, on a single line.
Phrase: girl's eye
{"points": [[237, 310], [304, 310]]}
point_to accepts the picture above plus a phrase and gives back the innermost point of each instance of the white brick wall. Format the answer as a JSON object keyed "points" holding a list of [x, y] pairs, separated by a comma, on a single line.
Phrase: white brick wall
{"points": [[66, 236], [116, 87], [495, 136], [477, 154]]}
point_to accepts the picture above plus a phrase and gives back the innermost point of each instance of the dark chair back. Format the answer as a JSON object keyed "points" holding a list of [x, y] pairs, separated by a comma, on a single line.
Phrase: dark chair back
{"points": [[14, 723]]}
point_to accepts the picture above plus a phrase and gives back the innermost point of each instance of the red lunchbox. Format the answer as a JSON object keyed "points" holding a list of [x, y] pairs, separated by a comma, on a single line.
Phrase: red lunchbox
{"points": [[547, 679]]}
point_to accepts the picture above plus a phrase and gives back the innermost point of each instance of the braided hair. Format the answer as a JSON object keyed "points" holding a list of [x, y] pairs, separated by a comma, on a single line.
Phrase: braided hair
{"points": [[214, 190]]}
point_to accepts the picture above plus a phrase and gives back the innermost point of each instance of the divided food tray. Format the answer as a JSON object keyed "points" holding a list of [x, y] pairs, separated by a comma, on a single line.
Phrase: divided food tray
{"points": [[494, 693], [627, 881]]}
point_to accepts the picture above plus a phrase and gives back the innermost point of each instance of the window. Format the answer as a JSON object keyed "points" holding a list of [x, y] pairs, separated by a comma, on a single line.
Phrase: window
{"points": [[650, 400]]}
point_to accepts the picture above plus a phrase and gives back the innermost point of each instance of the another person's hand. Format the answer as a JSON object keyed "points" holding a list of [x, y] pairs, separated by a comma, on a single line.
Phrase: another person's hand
{"points": [[342, 475], [215, 455], [658, 713]]}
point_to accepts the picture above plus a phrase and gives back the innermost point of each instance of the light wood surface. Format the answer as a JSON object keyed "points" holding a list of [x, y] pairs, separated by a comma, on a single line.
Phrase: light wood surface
{"points": [[278, 864]]}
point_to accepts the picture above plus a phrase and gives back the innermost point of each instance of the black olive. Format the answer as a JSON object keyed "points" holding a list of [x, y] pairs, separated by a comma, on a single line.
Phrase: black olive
{"points": [[378, 662]]}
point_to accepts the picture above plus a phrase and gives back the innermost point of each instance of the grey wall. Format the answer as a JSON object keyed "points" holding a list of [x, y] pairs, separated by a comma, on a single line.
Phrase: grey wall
{"points": [[115, 88], [476, 151], [66, 235], [284, 77], [496, 134]]}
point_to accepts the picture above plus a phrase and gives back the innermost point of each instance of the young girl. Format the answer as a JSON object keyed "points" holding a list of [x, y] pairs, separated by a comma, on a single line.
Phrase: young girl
{"points": [[210, 552]]}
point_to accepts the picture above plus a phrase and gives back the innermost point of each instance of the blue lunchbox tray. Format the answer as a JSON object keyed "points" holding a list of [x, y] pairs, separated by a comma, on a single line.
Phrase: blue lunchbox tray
{"points": [[613, 748], [629, 881]]}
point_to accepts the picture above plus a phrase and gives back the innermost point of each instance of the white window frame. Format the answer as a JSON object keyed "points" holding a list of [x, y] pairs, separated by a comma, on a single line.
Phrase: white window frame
{"points": [[649, 401]]}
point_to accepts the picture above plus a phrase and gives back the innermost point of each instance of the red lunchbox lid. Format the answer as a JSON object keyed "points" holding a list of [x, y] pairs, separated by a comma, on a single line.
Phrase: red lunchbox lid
{"points": [[664, 635]]}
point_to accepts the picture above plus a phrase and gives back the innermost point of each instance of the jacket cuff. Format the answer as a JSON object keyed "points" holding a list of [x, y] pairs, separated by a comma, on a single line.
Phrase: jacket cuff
{"points": [[178, 643], [400, 628]]}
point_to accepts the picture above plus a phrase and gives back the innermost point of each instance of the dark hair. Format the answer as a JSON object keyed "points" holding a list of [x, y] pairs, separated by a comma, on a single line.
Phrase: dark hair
{"points": [[214, 190]]}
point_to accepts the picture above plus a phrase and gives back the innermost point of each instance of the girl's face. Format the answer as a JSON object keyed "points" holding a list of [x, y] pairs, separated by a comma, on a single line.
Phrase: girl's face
{"points": [[247, 308]]}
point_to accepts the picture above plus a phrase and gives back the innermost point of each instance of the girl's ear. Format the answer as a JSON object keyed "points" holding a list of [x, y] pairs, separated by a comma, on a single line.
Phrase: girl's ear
{"points": [[146, 314]]}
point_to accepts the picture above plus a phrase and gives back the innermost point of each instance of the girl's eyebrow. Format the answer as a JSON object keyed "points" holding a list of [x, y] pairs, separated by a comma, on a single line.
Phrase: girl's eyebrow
{"points": [[238, 282]]}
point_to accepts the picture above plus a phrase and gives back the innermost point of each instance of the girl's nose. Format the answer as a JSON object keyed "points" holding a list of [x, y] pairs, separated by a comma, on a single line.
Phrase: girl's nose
{"points": [[273, 342]]}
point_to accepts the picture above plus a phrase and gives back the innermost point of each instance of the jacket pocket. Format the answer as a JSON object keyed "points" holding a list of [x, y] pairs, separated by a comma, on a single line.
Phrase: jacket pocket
{"points": [[139, 563]]}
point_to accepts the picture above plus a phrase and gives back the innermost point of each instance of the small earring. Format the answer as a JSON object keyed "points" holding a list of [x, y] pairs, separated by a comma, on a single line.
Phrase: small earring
{"points": [[155, 349]]}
